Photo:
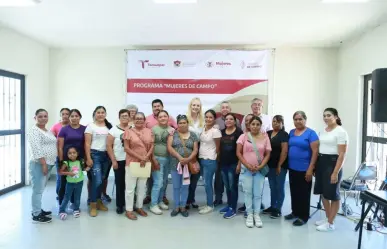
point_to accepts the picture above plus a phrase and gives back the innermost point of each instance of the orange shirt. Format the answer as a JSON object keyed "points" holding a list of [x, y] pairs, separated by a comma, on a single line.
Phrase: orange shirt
{"points": [[139, 142]]}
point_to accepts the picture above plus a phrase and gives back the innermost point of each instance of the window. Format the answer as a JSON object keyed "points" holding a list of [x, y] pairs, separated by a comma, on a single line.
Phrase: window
{"points": [[374, 146], [12, 131]]}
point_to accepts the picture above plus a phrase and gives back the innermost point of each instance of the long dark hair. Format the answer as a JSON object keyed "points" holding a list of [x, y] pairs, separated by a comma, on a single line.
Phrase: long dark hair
{"points": [[335, 113], [76, 111], [212, 112], [280, 118], [107, 123]]}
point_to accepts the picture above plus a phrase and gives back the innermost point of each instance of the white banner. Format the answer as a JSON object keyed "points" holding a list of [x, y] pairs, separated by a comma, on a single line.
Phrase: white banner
{"points": [[177, 76]]}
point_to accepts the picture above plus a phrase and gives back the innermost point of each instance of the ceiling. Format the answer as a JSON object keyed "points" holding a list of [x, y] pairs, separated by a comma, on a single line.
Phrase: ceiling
{"points": [[120, 23]]}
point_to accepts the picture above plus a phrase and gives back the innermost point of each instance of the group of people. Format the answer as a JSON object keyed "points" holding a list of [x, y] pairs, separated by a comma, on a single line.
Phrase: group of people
{"points": [[193, 145]]}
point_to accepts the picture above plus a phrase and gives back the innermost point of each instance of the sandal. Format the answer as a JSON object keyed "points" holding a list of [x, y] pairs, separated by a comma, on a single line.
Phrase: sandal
{"points": [[130, 215]]}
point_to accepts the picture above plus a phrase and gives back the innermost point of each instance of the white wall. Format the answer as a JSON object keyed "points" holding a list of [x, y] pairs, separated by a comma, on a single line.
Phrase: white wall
{"points": [[84, 78], [358, 58], [22, 55]]}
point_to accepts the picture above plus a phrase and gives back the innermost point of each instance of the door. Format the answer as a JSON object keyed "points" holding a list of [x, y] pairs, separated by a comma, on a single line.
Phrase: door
{"points": [[12, 131]]}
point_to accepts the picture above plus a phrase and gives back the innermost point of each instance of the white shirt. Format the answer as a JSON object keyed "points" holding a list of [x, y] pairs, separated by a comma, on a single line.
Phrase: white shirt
{"points": [[99, 136], [118, 148], [196, 128], [207, 148], [42, 145], [266, 123], [330, 139]]}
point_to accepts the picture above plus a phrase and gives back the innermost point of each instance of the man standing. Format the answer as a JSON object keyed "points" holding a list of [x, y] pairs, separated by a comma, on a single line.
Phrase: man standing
{"points": [[150, 121], [256, 108], [225, 108]]}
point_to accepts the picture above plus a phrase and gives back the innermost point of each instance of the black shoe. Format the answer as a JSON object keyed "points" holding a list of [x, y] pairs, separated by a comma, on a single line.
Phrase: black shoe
{"points": [[299, 223], [120, 210], [106, 198], [175, 212], [262, 206], [290, 217], [45, 213], [268, 210], [242, 209], [275, 214], [184, 213], [218, 202], [41, 219]]}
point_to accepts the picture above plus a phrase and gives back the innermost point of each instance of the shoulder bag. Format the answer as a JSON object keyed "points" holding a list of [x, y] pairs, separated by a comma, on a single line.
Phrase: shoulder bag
{"points": [[265, 170], [193, 165]]}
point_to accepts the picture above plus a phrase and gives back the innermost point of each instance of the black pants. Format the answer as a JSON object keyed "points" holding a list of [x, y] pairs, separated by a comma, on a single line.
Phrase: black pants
{"points": [[192, 188], [119, 175], [149, 186], [300, 191], [62, 190], [218, 184]]}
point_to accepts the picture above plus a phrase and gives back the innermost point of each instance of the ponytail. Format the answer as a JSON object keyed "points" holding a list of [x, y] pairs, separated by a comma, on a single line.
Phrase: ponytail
{"points": [[108, 124], [338, 121]]}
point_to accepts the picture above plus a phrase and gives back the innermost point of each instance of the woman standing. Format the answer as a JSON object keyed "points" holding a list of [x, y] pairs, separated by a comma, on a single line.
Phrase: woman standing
{"points": [[196, 123], [248, 147], [161, 160], [139, 144], [183, 147], [303, 152], [228, 164], [43, 148], [332, 149], [208, 155], [72, 135], [133, 109], [96, 157], [278, 165], [117, 155]]}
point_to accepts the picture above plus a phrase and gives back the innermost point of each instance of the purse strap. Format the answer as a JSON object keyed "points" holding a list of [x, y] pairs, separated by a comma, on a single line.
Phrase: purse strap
{"points": [[146, 147], [255, 147]]}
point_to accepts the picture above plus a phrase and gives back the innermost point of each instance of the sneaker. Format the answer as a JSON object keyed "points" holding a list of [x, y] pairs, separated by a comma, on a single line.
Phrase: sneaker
{"points": [[242, 209], [326, 227], [275, 214], [46, 213], [106, 198], [290, 217], [258, 221], [320, 222], [206, 210], [156, 210], [202, 207], [41, 219], [230, 214], [76, 214], [268, 210], [163, 206], [250, 221], [62, 216], [224, 210]]}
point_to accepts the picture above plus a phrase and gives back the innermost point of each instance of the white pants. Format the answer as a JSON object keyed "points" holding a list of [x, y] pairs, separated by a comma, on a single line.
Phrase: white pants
{"points": [[134, 184]]}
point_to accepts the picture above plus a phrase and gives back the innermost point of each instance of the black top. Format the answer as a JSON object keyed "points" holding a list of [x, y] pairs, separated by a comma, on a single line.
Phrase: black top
{"points": [[276, 141], [228, 147]]}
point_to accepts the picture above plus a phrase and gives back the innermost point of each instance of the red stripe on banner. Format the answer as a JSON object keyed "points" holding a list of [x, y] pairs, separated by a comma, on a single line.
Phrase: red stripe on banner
{"points": [[207, 86]]}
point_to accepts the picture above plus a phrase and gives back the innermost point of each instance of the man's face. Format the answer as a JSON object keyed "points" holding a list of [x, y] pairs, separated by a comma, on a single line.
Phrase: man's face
{"points": [[225, 109], [156, 108], [257, 107]]}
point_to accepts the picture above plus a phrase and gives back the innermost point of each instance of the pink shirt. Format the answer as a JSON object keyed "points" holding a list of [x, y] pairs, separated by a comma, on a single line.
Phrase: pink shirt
{"points": [[56, 128], [151, 121], [139, 142], [248, 149]]}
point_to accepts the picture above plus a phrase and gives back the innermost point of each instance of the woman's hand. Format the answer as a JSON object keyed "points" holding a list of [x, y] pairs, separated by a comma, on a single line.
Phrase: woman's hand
{"points": [[72, 174], [183, 161], [89, 163], [115, 164], [142, 163], [45, 169], [309, 175], [334, 178], [278, 170], [156, 166]]}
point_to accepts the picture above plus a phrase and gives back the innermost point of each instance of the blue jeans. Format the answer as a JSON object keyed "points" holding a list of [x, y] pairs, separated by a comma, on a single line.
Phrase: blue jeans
{"points": [[209, 168], [180, 191], [166, 172], [72, 188], [252, 184], [57, 176], [230, 180], [277, 187], [99, 173], [38, 182], [158, 181]]}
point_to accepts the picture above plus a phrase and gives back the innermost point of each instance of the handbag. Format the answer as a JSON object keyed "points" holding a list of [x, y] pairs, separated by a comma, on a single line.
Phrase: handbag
{"points": [[193, 165], [265, 170]]}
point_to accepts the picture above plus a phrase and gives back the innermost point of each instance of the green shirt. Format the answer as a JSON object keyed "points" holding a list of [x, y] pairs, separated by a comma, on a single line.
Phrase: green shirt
{"points": [[161, 136], [75, 167]]}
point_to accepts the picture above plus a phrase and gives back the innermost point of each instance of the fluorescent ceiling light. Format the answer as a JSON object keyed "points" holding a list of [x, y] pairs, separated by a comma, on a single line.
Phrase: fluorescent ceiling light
{"points": [[175, 1], [345, 1], [18, 3]]}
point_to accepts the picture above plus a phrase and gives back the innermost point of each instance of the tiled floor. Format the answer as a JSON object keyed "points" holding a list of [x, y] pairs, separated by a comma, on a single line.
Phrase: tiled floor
{"points": [[110, 230]]}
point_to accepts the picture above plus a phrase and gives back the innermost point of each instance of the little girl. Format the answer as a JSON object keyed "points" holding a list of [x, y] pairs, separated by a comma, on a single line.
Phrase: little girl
{"points": [[73, 170]]}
